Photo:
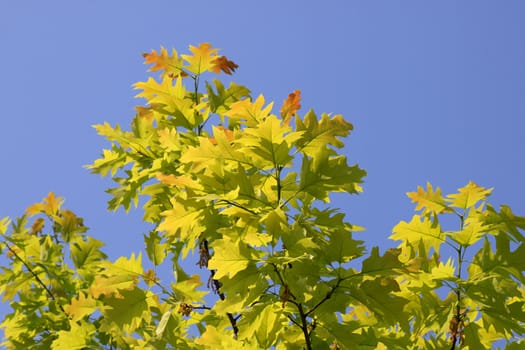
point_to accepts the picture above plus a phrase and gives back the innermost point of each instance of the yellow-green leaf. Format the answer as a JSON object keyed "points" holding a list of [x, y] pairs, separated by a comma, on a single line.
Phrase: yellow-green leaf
{"points": [[468, 196], [121, 275], [248, 113], [417, 231], [80, 307], [230, 257], [202, 60], [77, 337]]}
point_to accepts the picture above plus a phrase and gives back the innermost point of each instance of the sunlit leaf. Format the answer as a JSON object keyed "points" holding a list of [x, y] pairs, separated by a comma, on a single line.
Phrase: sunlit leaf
{"points": [[419, 229], [223, 64], [468, 196], [290, 106], [169, 64], [202, 58], [81, 307], [429, 200]]}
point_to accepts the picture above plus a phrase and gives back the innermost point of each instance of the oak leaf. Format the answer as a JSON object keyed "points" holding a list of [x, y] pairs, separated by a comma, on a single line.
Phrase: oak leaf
{"points": [[49, 205], [290, 106], [171, 65], [80, 307], [37, 226], [202, 58], [430, 200], [468, 196], [223, 64], [252, 113]]}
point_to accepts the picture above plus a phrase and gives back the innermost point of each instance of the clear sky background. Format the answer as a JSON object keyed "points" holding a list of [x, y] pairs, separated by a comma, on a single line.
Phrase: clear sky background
{"points": [[435, 90]]}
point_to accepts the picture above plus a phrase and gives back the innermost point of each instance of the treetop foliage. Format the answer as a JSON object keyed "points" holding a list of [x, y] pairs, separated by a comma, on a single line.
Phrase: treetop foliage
{"points": [[242, 190]]}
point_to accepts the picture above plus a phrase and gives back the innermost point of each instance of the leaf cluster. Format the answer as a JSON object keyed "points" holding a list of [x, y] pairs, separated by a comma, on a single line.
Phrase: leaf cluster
{"points": [[244, 193]]}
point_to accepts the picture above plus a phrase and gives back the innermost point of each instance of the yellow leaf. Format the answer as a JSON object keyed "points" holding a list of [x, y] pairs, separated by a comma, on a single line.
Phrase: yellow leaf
{"points": [[417, 231], [212, 338], [468, 196], [230, 257], [169, 139], [444, 271], [227, 132], [151, 88], [187, 290], [80, 307], [123, 274], [473, 230], [202, 59], [251, 113], [76, 338], [430, 201], [49, 205], [4, 223]]}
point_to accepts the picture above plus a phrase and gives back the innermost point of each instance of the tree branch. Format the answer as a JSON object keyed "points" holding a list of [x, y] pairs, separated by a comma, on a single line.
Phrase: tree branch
{"points": [[35, 275], [216, 284]]}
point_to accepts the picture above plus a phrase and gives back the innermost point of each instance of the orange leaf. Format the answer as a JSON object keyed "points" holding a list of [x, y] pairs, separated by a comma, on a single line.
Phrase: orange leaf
{"points": [[227, 132], [145, 112], [172, 180], [149, 277], [159, 61], [171, 65], [223, 64], [37, 226], [290, 106]]}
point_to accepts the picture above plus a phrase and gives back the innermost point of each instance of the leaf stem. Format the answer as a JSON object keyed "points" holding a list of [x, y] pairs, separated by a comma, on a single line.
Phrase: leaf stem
{"points": [[456, 322], [278, 170]]}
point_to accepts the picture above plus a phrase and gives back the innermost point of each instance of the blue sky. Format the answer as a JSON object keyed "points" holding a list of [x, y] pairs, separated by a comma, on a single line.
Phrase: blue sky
{"points": [[435, 91]]}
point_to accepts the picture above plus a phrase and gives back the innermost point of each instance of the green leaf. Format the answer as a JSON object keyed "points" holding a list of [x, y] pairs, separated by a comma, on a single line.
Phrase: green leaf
{"points": [[86, 255], [317, 135], [263, 323], [186, 290], [323, 175], [184, 222], [268, 143], [221, 101], [505, 222], [127, 310], [384, 265], [155, 250], [77, 337]]}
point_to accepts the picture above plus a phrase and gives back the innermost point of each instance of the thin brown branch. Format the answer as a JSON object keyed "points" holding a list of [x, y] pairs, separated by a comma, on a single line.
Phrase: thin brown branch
{"points": [[216, 285], [35, 275]]}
